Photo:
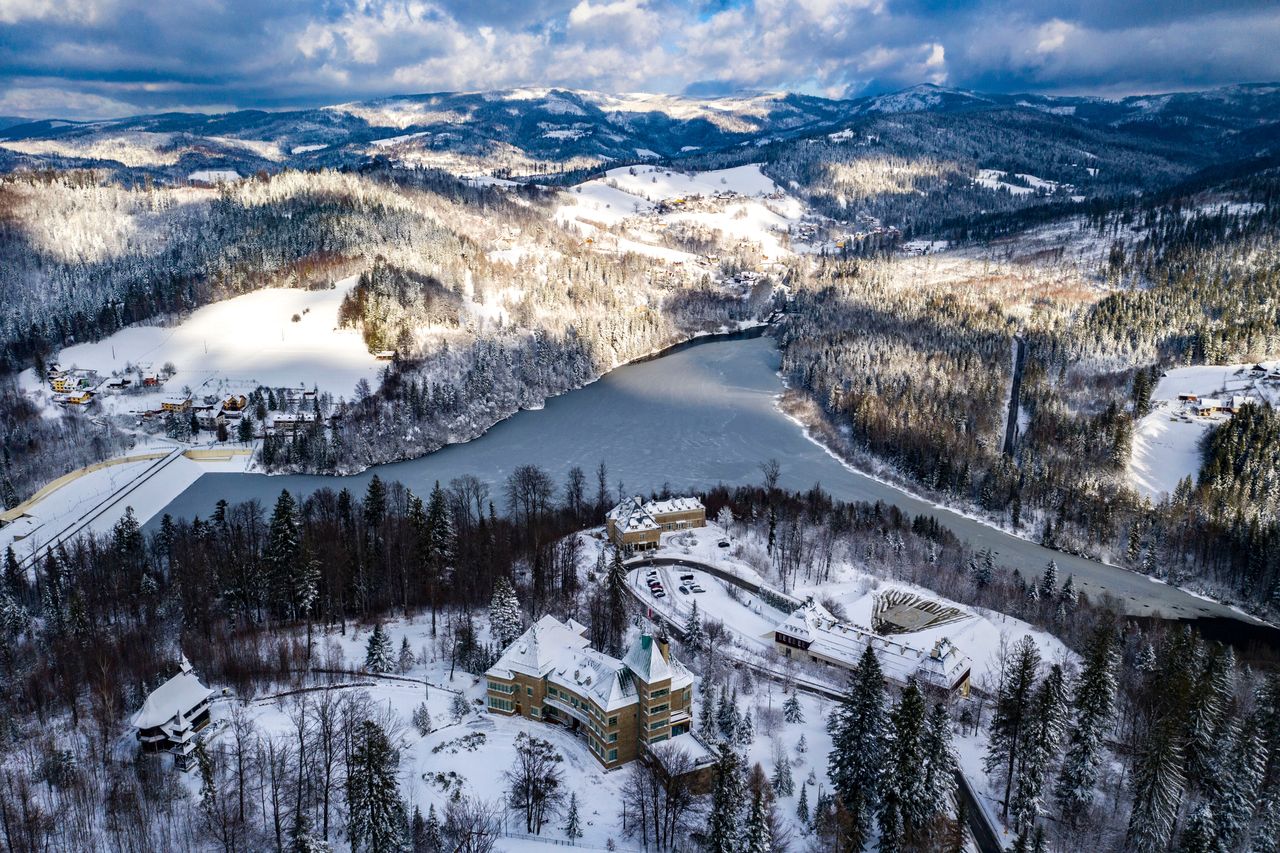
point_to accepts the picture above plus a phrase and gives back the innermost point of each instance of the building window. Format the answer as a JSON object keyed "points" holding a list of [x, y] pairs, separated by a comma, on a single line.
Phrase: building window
{"points": [[536, 712], [658, 739], [529, 690], [613, 737], [658, 725], [658, 709], [613, 755], [502, 688], [501, 704], [613, 721], [658, 694]]}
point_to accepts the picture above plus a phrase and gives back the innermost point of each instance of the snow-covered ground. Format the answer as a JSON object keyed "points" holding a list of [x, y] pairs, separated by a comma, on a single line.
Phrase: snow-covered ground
{"points": [[214, 176], [147, 481], [470, 754], [1166, 443], [750, 208], [979, 634], [993, 179], [232, 346]]}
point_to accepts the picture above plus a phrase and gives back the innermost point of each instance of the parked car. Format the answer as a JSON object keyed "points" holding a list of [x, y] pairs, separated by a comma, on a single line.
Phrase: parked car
{"points": [[684, 590], [658, 593], [686, 577], [723, 543], [697, 589]]}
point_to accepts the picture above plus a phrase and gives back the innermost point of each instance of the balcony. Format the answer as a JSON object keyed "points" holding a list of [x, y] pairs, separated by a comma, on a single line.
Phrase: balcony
{"points": [[560, 705]]}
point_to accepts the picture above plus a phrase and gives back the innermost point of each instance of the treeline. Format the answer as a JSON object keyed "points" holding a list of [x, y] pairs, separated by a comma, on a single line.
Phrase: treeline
{"points": [[388, 304]]}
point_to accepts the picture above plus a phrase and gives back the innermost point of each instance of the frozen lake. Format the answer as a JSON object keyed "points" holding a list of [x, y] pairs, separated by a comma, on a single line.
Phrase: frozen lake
{"points": [[700, 415]]}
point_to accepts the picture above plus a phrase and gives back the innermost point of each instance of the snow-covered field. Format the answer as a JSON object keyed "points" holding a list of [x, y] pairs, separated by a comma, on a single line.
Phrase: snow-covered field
{"points": [[993, 179], [233, 346], [750, 208], [1166, 443]]}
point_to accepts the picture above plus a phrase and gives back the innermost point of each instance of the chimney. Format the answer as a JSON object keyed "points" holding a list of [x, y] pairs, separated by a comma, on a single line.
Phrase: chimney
{"points": [[664, 647]]}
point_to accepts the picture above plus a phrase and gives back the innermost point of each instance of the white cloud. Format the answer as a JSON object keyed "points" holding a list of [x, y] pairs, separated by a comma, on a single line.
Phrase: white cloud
{"points": [[135, 55], [83, 11]]}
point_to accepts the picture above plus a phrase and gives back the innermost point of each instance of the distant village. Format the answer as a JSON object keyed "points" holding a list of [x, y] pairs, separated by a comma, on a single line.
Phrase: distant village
{"points": [[254, 414]]}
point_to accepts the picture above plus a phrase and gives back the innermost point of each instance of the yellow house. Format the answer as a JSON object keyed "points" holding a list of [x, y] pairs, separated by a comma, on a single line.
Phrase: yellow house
{"points": [[618, 707], [637, 525], [176, 404]]}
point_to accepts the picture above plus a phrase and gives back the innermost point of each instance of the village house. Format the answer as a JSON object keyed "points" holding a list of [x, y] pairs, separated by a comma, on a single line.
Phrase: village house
{"points": [[209, 417], [172, 716], [235, 403], [619, 707], [68, 381], [175, 404], [80, 397], [812, 634], [291, 424], [1207, 406], [637, 525]]}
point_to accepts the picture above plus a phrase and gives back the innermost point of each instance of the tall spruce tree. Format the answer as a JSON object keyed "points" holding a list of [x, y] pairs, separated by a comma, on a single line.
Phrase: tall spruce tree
{"points": [[759, 835], [375, 811], [377, 657], [284, 554], [1092, 707], [1235, 779], [506, 620], [695, 636], [1158, 783], [616, 604], [724, 821], [940, 761], [1044, 727], [906, 762], [856, 761], [1013, 699]]}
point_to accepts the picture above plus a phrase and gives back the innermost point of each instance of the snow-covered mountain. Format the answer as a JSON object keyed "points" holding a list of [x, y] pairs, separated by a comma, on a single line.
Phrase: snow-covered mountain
{"points": [[546, 130]]}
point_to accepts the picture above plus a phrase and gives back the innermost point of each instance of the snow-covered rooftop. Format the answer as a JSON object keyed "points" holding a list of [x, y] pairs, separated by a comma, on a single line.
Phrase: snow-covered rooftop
{"points": [[178, 696], [559, 652], [634, 514], [943, 665]]}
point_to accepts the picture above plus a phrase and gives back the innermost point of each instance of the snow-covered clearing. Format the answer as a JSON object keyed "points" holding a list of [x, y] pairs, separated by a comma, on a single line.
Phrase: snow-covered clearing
{"points": [[232, 346], [739, 204], [993, 179], [1166, 443], [214, 176]]}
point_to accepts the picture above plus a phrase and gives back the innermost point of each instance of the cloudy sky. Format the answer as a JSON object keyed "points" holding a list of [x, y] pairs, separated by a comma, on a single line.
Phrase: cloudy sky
{"points": [[98, 58]]}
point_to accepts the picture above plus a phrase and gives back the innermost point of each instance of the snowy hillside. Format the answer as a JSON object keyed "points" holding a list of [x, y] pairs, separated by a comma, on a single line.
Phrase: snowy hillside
{"points": [[1166, 443], [275, 337]]}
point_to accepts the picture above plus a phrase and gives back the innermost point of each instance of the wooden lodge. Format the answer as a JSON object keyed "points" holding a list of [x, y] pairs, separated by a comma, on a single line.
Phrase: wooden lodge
{"points": [[173, 715]]}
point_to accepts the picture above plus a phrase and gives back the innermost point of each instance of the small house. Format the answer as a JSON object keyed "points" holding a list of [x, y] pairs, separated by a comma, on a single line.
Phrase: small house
{"points": [[74, 398], [172, 715], [176, 404], [235, 403], [385, 355], [1238, 402], [209, 417]]}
